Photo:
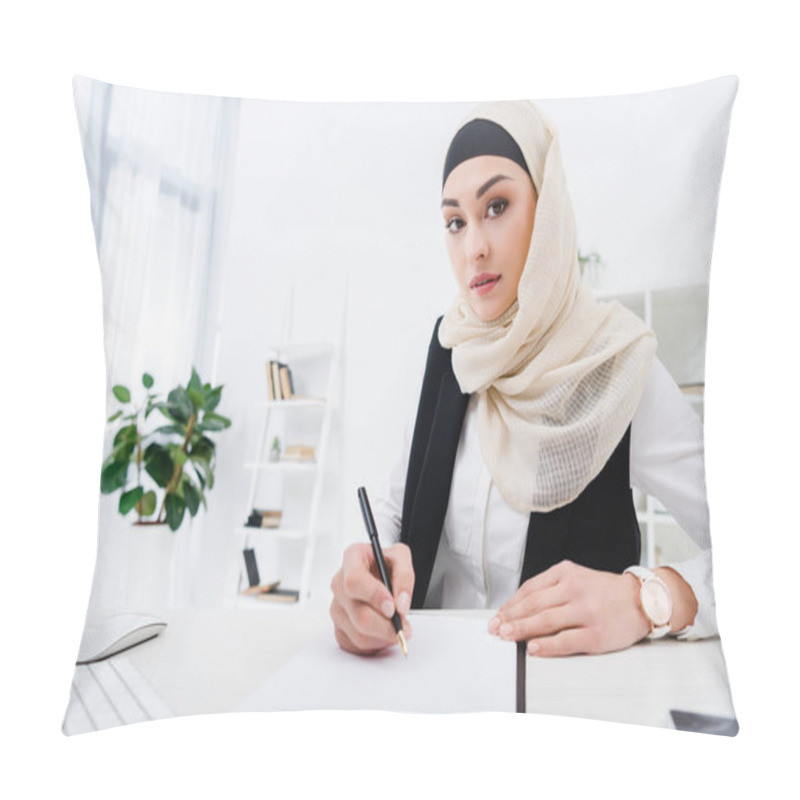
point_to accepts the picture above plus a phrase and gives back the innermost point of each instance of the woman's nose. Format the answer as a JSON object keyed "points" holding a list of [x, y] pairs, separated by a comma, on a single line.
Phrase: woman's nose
{"points": [[477, 243]]}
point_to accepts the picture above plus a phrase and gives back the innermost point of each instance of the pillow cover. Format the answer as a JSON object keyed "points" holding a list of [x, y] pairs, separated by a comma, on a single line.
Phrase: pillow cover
{"points": [[271, 275]]}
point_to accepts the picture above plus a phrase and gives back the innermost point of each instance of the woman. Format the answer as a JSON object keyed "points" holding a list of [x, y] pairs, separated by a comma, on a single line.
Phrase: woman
{"points": [[539, 408]]}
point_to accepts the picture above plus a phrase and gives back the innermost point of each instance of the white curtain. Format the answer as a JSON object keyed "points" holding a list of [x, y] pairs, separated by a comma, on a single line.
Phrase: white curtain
{"points": [[160, 167]]}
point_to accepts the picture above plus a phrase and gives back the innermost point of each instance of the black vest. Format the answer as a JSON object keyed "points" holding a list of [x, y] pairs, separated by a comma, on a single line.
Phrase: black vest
{"points": [[598, 529]]}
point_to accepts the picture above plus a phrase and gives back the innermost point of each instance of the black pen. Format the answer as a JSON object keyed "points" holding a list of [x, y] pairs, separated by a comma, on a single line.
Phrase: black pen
{"points": [[369, 521]]}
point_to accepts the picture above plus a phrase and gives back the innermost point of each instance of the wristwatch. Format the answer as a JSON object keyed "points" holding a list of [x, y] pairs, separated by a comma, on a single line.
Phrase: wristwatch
{"points": [[655, 601]]}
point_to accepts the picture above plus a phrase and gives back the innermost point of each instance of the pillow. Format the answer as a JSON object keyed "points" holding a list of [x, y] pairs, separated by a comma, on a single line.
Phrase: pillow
{"points": [[271, 274]]}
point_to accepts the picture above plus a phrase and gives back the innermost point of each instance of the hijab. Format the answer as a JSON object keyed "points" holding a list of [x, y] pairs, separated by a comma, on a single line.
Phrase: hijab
{"points": [[558, 375]]}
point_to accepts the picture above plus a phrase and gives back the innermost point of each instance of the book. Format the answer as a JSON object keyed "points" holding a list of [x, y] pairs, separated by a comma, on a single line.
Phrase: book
{"points": [[280, 595], [286, 384], [276, 380], [261, 524], [299, 452], [280, 383], [264, 519], [251, 567], [258, 590], [270, 384]]}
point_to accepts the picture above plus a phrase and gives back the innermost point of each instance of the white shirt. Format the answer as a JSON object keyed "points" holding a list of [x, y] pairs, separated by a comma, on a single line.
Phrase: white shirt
{"points": [[479, 560]]}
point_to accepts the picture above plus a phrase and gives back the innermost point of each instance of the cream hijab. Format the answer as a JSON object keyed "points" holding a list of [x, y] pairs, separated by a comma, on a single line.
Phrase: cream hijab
{"points": [[559, 375]]}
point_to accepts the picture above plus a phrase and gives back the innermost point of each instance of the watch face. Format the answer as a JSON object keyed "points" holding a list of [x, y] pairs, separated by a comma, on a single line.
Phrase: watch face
{"points": [[657, 602]]}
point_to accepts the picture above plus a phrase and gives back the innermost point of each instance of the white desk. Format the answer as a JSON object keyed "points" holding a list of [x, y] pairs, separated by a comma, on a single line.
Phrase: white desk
{"points": [[638, 685], [209, 662]]}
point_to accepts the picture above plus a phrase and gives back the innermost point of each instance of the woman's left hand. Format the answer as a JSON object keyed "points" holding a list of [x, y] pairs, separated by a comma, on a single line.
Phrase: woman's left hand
{"points": [[573, 609]]}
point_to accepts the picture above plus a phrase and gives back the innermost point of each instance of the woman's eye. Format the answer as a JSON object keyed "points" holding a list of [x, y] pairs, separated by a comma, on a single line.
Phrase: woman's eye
{"points": [[496, 207], [454, 224]]}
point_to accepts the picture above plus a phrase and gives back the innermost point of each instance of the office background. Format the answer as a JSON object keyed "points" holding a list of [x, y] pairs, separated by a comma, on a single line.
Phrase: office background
{"points": [[225, 226]]}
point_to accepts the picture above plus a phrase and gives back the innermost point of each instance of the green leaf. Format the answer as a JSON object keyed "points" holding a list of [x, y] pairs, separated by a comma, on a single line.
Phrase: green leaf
{"points": [[203, 448], [113, 476], [213, 422], [180, 429], [191, 495], [180, 404], [202, 471], [147, 380], [197, 398], [147, 505], [125, 435], [176, 508], [123, 453], [124, 445], [199, 475], [200, 455], [158, 464], [121, 393], [207, 468], [129, 499], [115, 415], [203, 453], [195, 382], [177, 454], [212, 399]]}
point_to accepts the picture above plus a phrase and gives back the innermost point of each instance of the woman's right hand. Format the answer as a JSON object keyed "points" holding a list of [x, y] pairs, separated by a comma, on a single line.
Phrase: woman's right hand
{"points": [[362, 606]]}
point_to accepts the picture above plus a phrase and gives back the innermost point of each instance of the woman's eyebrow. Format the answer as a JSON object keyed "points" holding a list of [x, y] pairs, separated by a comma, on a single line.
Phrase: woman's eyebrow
{"points": [[481, 191]]}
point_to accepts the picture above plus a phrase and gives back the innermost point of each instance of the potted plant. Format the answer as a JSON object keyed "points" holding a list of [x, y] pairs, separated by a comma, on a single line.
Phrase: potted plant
{"points": [[589, 265], [178, 457]]}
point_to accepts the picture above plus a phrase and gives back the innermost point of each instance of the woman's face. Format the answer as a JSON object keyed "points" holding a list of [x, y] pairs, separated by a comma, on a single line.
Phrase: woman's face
{"points": [[489, 205]]}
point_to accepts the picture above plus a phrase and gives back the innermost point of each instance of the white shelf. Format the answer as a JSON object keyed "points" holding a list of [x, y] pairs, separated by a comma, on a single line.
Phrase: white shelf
{"points": [[678, 315], [301, 351], [315, 368], [284, 466], [246, 601], [656, 517], [294, 402], [279, 532]]}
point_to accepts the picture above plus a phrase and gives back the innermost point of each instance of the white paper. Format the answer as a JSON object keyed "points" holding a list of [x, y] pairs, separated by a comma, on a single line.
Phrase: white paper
{"points": [[454, 665]]}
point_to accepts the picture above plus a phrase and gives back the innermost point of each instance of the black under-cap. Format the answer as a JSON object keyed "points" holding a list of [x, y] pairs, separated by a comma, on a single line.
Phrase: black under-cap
{"points": [[481, 137]]}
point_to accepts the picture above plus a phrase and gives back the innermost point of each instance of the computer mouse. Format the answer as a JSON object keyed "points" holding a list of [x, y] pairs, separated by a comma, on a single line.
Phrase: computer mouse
{"points": [[104, 637]]}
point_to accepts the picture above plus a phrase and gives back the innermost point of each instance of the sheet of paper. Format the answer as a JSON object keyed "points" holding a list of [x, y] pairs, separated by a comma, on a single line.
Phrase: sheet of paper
{"points": [[453, 665]]}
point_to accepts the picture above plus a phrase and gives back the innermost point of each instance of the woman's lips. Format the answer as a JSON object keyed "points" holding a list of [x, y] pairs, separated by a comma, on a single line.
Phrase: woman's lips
{"points": [[484, 283]]}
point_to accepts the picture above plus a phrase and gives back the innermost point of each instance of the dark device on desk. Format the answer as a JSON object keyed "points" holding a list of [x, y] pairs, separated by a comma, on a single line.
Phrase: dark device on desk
{"points": [[704, 723], [253, 578], [267, 591]]}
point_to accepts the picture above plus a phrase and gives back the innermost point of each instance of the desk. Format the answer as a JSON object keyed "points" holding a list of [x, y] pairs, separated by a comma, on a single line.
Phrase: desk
{"points": [[206, 662], [638, 685]]}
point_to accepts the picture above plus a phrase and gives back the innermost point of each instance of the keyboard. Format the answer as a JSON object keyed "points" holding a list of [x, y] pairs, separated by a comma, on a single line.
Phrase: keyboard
{"points": [[109, 693]]}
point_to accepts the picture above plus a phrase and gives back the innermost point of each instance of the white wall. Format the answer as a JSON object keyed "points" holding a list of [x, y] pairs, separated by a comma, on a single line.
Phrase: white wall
{"points": [[332, 204], [639, 170]]}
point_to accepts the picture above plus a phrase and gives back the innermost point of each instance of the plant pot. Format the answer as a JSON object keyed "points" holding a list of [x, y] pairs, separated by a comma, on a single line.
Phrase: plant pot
{"points": [[151, 555]]}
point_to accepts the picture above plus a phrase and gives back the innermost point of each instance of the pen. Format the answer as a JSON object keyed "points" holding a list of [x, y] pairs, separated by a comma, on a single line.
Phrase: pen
{"points": [[369, 521]]}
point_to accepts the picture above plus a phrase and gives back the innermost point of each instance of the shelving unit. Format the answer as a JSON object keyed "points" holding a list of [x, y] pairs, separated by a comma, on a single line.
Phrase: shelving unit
{"points": [[678, 316], [308, 417]]}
